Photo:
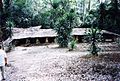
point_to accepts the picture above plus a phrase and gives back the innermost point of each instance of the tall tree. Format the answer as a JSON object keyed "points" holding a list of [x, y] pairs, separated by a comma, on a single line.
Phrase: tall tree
{"points": [[1, 12], [62, 18], [89, 5], [4, 17], [114, 17], [1, 5], [101, 15]]}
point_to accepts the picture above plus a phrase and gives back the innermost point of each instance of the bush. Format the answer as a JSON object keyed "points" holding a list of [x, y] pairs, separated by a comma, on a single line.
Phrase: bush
{"points": [[62, 21], [64, 28], [21, 16], [93, 36], [72, 45], [9, 25]]}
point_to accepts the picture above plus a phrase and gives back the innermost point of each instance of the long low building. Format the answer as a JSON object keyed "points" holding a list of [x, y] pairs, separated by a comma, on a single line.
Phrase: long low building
{"points": [[36, 35], [20, 33]]}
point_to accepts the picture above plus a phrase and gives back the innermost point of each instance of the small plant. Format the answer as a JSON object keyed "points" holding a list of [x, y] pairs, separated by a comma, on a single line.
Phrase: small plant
{"points": [[94, 36], [72, 45], [10, 24]]}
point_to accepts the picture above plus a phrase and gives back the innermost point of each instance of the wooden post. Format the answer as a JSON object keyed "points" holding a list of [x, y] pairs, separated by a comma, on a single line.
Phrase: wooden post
{"points": [[55, 40], [37, 41], [27, 42], [46, 40], [76, 38]]}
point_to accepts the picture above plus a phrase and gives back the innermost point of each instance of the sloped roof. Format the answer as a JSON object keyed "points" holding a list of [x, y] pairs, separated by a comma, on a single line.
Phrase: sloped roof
{"points": [[20, 33], [111, 33], [33, 32]]}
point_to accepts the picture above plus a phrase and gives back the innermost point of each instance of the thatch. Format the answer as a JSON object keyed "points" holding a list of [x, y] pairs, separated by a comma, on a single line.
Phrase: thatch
{"points": [[20, 33], [111, 33], [36, 32]]}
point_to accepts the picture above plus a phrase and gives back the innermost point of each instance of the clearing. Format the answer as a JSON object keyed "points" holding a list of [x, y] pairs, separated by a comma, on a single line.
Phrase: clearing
{"points": [[50, 63]]}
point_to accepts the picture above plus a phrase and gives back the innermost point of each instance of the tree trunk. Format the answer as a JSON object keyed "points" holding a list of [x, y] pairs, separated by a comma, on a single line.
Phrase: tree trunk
{"points": [[1, 11], [4, 15], [84, 11], [89, 4], [1, 5]]}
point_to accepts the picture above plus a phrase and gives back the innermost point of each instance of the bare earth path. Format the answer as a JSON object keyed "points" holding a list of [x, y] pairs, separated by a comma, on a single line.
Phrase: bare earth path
{"points": [[38, 63], [49, 63]]}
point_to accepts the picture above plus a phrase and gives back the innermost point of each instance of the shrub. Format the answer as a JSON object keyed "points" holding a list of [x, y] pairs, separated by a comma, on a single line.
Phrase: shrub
{"points": [[62, 20], [9, 25], [64, 28], [93, 36], [72, 45]]}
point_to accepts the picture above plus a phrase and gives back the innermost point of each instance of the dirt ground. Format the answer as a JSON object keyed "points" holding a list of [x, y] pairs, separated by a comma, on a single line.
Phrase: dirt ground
{"points": [[44, 63]]}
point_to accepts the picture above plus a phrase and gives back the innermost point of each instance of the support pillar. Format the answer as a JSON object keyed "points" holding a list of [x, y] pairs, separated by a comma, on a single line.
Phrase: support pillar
{"points": [[37, 41], [46, 40]]}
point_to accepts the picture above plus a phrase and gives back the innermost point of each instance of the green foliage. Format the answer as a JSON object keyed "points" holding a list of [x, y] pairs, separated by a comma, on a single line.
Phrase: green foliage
{"points": [[101, 16], [21, 16], [9, 25], [113, 17], [63, 28], [42, 19], [90, 20], [62, 19], [4, 13], [17, 11], [20, 2], [72, 45], [4, 17], [93, 36], [106, 17], [55, 3]]}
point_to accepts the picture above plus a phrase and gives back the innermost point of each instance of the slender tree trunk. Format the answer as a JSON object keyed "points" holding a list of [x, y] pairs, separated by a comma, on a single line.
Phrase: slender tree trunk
{"points": [[84, 11], [1, 5], [1, 12], [117, 14], [4, 15], [115, 4], [89, 4]]}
